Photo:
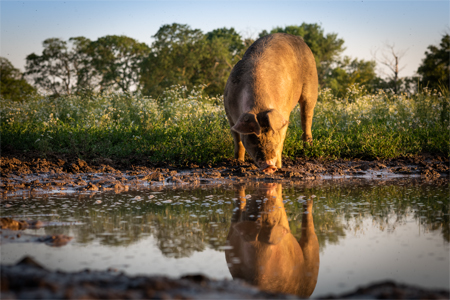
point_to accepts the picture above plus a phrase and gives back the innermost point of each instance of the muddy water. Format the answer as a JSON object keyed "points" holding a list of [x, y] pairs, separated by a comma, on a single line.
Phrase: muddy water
{"points": [[329, 236]]}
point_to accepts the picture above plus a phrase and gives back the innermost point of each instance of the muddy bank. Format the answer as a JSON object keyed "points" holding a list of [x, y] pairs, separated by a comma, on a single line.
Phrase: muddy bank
{"points": [[29, 280], [59, 173]]}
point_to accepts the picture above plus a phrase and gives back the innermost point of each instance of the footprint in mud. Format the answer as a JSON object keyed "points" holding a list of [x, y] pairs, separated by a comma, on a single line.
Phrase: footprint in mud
{"points": [[10, 233]]}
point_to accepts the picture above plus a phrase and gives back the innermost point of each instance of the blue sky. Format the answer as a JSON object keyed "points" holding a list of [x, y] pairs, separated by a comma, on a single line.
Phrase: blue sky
{"points": [[365, 26]]}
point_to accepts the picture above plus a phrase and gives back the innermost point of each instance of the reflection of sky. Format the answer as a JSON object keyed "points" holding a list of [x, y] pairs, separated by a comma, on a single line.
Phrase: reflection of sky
{"points": [[405, 255], [364, 25], [142, 257]]}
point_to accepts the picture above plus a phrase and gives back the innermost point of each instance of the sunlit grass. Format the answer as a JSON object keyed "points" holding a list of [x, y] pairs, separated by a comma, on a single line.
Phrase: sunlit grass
{"points": [[182, 127]]}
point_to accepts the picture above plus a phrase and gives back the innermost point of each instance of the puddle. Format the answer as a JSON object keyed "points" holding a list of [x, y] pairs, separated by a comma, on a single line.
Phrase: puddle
{"points": [[361, 230]]}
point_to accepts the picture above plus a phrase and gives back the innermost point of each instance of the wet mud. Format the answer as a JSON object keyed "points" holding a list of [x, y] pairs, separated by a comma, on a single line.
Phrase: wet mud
{"points": [[29, 280], [11, 232], [28, 175]]}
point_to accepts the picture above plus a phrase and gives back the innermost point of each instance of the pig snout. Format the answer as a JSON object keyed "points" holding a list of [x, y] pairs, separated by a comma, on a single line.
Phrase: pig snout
{"points": [[268, 167]]}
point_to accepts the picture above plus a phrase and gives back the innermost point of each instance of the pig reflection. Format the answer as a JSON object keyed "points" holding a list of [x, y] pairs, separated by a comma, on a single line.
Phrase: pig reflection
{"points": [[264, 251]]}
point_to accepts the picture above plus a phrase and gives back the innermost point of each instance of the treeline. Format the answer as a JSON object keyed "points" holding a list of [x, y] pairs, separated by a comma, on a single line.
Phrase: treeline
{"points": [[185, 56]]}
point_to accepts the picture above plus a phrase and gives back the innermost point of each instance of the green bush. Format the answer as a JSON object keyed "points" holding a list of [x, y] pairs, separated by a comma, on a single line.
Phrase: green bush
{"points": [[183, 127]]}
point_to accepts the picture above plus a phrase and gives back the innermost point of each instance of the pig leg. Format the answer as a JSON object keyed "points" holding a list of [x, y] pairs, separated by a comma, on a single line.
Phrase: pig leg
{"points": [[241, 198], [278, 163], [307, 102], [239, 150], [310, 248]]}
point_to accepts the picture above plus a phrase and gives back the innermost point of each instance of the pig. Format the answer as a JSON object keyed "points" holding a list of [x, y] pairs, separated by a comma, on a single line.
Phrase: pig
{"points": [[275, 73], [262, 249]]}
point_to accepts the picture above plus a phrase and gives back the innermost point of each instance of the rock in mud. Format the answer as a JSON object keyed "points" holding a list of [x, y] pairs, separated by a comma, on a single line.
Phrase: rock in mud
{"points": [[55, 240], [430, 174], [92, 187]]}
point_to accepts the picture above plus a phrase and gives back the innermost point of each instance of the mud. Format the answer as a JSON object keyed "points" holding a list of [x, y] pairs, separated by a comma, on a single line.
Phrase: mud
{"points": [[10, 232], [11, 236], [29, 280], [28, 174]]}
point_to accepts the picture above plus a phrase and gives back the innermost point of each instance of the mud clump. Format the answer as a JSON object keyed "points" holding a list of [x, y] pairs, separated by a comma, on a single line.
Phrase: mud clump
{"points": [[55, 240], [10, 223], [79, 167], [430, 174], [10, 227]]}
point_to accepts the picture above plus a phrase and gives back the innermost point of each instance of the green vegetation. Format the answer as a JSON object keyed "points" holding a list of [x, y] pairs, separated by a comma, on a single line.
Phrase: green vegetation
{"points": [[436, 65], [116, 97], [185, 127], [12, 85]]}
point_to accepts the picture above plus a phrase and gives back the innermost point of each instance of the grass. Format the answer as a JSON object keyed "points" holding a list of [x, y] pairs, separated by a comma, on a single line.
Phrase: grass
{"points": [[183, 127]]}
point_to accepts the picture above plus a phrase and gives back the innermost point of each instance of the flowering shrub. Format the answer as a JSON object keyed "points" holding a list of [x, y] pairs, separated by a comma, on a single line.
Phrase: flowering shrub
{"points": [[184, 127]]}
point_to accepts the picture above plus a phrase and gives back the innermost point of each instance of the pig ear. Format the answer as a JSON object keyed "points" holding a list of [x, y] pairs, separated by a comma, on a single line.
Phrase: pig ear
{"points": [[276, 120], [247, 124]]}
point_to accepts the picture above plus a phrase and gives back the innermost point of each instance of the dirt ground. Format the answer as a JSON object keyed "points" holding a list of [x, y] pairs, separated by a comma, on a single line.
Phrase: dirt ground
{"points": [[28, 280], [30, 174]]}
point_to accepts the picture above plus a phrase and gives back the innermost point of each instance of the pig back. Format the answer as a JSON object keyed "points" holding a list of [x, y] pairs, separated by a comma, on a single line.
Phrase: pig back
{"points": [[271, 75]]}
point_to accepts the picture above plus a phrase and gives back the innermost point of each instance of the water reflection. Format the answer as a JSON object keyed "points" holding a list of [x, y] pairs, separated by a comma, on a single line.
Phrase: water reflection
{"points": [[263, 250], [367, 231]]}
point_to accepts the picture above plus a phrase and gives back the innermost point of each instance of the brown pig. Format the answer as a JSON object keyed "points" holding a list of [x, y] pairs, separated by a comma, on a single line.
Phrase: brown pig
{"points": [[276, 72], [263, 250]]}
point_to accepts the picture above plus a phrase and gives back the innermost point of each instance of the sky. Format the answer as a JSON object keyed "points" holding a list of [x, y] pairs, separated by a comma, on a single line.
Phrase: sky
{"points": [[365, 26]]}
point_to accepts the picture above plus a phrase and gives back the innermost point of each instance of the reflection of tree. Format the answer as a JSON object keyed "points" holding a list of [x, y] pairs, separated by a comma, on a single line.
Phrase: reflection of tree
{"points": [[118, 220], [180, 230], [343, 205]]}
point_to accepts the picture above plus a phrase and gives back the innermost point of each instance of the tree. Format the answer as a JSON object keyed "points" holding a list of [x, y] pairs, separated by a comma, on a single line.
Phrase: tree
{"points": [[326, 48], [185, 56], [12, 85], [63, 68], [349, 72], [118, 60], [231, 38], [225, 48], [435, 67], [175, 59], [391, 57], [87, 78], [52, 71]]}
